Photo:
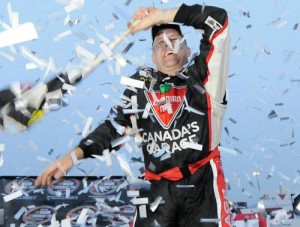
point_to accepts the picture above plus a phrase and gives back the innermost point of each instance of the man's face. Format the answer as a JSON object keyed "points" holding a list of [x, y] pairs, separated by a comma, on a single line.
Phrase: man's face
{"points": [[164, 57]]}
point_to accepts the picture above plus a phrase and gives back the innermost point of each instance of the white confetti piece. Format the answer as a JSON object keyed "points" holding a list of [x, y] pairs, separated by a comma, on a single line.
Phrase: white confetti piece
{"points": [[176, 46], [74, 5], [13, 16], [2, 147], [66, 222], [132, 82], [74, 159], [209, 220], [30, 56], [120, 59], [133, 193], [195, 146], [82, 217], [119, 141], [146, 111], [32, 145], [143, 211], [128, 147], [34, 96], [106, 50], [123, 164], [12, 196], [22, 33], [82, 52], [132, 111], [30, 66], [103, 39], [107, 157], [68, 87], [124, 219], [87, 127], [167, 40], [62, 35], [227, 150], [42, 159], [140, 201], [193, 110], [109, 26], [7, 56], [120, 129], [185, 186], [20, 212], [155, 203], [1, 154], [283, 176]]}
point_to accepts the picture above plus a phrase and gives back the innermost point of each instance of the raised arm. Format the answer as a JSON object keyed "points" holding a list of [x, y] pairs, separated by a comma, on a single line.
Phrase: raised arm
{"points": [[213, 62]]}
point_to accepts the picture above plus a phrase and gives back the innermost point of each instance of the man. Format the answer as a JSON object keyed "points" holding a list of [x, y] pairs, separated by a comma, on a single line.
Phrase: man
{"points": [[181, 131]]}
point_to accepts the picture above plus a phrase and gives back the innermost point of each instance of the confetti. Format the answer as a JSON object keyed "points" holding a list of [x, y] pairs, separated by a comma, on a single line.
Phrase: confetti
{"points": [[195, 146], [22, 33], [12, 196], [140, 201], [87, 127], [7, 56], [272, 114], [66, 222], [107, 157], [74, 5], [62, 35], [132, 82], [155, 203]]}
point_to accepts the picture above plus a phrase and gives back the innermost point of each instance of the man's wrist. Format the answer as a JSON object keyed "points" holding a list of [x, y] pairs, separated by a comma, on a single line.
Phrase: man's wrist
{"points": [[168, 15]]}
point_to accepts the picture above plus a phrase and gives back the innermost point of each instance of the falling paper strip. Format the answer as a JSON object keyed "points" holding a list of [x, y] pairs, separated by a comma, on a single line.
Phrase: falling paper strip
{"points": [[140, 201], [87, 127], [143, 211], [74, 4], [195, 146], [2, 146], [82, 217], [20, 212], [12, 196], [7, 56], [227, 150], [66, 222], [22, 33], [132, 82], [133, 193], [155, 203], [209, 220], [107, 157]]}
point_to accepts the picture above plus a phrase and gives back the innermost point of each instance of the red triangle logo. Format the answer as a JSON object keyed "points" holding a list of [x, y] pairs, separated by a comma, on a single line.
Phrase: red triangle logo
{"points": [[282, 196], [166, 105]]}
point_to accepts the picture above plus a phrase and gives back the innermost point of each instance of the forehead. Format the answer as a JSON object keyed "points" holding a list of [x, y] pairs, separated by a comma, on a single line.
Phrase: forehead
{"points": [[168, 31]]}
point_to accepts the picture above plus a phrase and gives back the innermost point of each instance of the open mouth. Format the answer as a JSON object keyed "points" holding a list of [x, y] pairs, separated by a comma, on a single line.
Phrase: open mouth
{"points": [[168, 53]]}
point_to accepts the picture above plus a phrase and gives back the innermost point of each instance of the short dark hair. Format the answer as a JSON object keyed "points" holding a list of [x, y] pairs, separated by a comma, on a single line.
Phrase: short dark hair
{"points": [[157, 28]]}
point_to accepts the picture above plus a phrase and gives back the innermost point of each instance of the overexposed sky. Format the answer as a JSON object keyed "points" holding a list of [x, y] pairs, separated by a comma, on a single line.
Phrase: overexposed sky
{"points": [[264, 77]]}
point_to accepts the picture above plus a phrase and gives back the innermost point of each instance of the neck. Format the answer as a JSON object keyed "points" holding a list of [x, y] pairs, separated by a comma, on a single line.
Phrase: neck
{"points": [[170, 72]]}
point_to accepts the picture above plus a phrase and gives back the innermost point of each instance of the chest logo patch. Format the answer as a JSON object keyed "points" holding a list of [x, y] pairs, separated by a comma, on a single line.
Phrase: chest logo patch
{"points": [[166, 103]]}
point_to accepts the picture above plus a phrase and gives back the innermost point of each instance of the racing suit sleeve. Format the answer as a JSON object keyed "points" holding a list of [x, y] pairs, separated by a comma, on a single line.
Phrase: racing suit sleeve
{"points": [[100, 139], [213, 62], [211, 65]]}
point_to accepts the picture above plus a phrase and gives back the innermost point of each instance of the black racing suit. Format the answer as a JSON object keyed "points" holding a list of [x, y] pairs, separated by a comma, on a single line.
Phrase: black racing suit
{"points": [[181, 119]]}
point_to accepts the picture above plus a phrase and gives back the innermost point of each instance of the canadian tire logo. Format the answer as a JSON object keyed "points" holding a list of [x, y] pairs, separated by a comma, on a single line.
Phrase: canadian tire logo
{"points": [[166, 103]]}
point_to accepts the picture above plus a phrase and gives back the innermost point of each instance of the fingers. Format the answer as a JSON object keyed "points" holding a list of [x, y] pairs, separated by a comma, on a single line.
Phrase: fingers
{"points": [[141, 13], [146, 17], [46, 177]]}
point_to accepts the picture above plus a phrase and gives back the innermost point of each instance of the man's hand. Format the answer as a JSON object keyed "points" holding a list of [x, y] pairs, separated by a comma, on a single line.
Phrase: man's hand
{"points": [[58, 169], [149, 16]]}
